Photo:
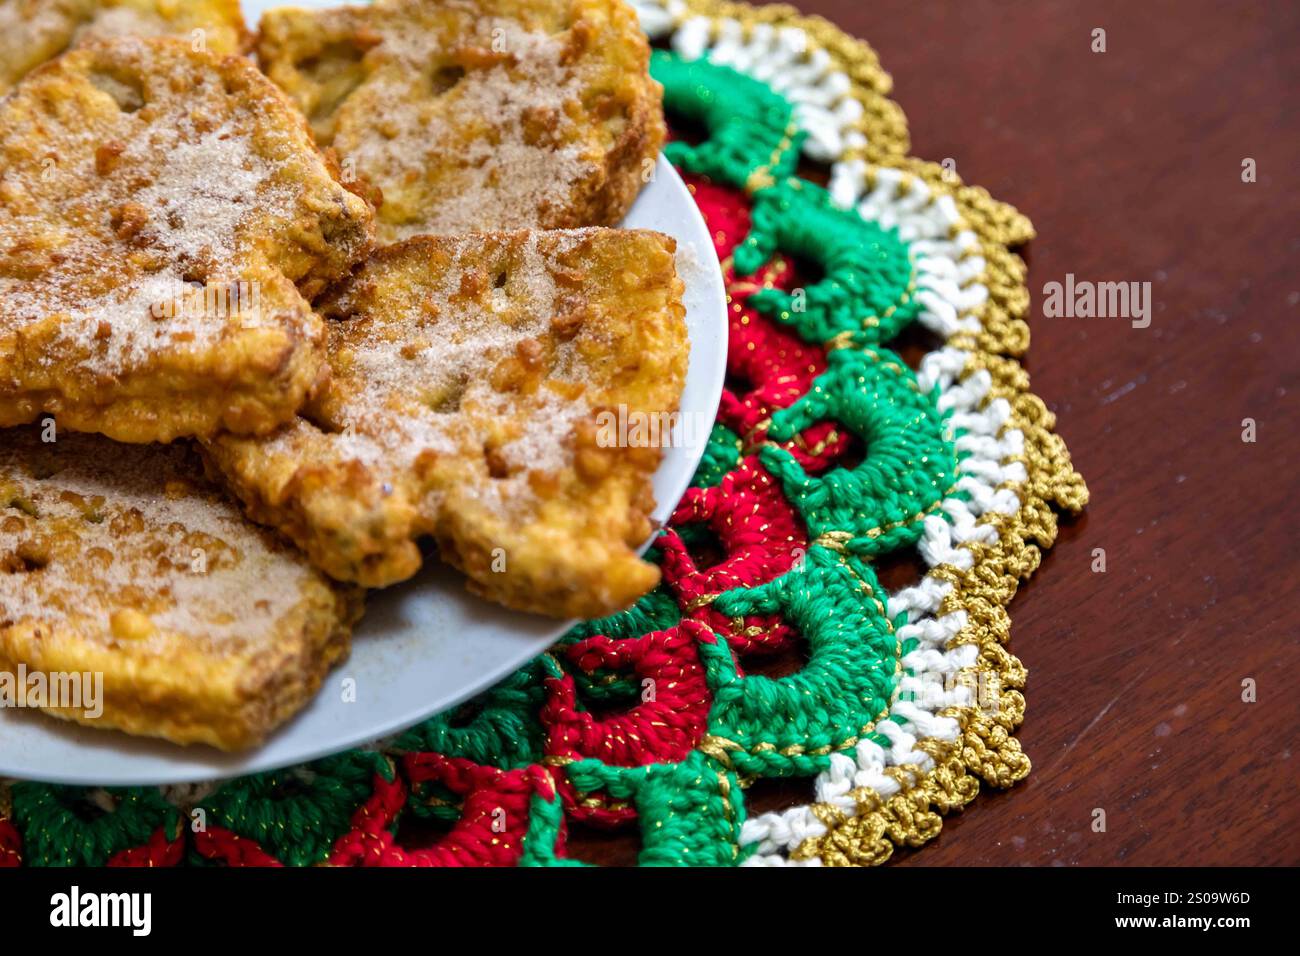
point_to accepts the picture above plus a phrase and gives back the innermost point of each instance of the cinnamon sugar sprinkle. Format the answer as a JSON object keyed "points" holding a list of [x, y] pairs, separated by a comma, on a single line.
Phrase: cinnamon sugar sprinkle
{"points": [[174, 213], [89, 527], [414, 384], [512, 168]]}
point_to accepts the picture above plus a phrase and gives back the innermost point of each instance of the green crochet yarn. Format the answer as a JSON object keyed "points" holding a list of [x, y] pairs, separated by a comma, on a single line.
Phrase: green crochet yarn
{"points": [[868, 284], [606, 688], [656, 611], [691, 812], [752, 135], [869, 280], [62, 828], [431, 801], [910, 464], [721, 455], [545, 817], [789, 726], [502, 732], [297, 814]]}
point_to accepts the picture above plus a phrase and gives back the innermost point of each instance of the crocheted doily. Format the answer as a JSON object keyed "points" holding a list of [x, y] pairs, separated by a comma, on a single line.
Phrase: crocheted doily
{"points": [[875, 409]]}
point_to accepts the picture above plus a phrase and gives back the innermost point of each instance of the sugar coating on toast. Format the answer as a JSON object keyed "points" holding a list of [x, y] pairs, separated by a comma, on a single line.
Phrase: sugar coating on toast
{"points": [[469, 379], [124, 560], [477, 116], [164, 213], [34, 31]]}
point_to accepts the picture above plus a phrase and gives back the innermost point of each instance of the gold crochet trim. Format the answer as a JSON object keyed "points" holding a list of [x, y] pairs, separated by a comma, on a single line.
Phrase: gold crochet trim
{"points": [[986, 748]]}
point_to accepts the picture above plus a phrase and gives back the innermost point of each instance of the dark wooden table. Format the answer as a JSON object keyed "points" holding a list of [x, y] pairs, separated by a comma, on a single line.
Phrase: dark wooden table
{"points": [[1129, 162]]}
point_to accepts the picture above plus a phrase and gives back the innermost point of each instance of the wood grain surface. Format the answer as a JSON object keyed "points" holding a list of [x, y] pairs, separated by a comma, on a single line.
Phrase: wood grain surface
{"points": [[1129, 162]]}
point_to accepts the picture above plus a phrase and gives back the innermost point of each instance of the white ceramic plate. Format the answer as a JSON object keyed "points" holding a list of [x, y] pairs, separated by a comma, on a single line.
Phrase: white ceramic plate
{"points": [[423, 646]]}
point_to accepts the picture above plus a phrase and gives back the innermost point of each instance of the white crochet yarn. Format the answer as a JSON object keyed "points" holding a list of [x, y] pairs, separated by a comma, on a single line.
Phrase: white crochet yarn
{"points": [[947, 287], [950, 291], [659, 17]]}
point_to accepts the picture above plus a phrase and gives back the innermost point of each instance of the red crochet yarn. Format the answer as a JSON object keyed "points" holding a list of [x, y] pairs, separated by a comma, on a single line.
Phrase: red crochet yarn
{"points": [[761, 537], [10, 845], [768, 367], [664, 727], [493, 818], [161, 850], [224, 846]]}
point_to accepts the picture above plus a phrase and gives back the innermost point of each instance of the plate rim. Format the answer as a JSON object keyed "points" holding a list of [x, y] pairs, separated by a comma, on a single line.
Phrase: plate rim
{"points": [[196, 763]]}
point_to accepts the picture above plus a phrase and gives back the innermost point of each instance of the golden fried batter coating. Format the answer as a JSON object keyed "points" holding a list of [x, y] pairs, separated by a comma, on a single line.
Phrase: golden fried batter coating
{"points": [[33, 31], [477, 115], [470, 377], [123, 560], [157, 207]]}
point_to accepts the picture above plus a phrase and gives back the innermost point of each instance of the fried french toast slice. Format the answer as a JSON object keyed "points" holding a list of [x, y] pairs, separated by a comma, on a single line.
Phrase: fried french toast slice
{"points": [[164, 217], [480, 115], [34, 31], [474, 389], [124, 561]]}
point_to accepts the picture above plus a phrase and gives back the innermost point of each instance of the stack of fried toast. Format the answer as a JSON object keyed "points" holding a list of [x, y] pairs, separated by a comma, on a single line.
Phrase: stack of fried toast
{"points": [[275, 309]]}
